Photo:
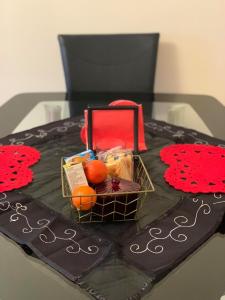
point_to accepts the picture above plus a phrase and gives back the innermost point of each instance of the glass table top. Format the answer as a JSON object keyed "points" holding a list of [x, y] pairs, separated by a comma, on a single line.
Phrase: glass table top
{"points": [[199, 112], [200, 276], [180, 114]]}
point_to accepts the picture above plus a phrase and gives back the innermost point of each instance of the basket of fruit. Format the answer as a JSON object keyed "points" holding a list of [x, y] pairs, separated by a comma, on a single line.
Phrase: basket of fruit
{"points": [[112, 184], [110, 188]]}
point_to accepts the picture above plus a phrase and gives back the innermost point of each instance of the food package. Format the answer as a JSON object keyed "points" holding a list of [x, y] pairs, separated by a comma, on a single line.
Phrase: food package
{"points": [[75, 175], [113, 185], [119, 162], [79, 157], [126, 203]]}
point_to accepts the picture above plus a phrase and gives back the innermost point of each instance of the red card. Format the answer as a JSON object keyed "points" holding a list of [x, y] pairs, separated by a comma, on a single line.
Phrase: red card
{"points": [[115, 128]]}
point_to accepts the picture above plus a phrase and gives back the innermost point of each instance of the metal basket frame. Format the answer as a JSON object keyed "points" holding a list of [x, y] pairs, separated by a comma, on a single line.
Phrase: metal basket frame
{"points": [[116, 206]]}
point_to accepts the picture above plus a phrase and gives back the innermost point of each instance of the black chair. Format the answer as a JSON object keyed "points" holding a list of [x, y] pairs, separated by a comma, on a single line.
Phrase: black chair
{"points": [[99, 63]]}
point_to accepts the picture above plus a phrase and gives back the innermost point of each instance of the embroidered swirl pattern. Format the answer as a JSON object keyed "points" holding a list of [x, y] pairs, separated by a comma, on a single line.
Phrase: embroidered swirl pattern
{"points": [[49, 237], [41, 133], [154, 245], [178, 133]]}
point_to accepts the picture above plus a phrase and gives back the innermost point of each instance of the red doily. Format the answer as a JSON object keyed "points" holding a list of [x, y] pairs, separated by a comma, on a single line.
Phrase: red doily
{"points": [[195, 168], [14, 163]]}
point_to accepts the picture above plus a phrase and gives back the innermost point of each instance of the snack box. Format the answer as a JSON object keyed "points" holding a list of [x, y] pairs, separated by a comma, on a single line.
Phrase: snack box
{"points": [[80, 157]]}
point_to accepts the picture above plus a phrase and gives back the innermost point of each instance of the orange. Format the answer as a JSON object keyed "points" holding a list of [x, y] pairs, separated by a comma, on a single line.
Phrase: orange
{"points": [[95, 171], [83, 197]]}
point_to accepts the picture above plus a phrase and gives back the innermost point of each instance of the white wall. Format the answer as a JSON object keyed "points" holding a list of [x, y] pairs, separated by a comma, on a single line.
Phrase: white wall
{"points": [[192, 45]]}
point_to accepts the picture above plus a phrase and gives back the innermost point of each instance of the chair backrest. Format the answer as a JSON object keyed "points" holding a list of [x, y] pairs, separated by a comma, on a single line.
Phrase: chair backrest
{"points": [[109, 63]]}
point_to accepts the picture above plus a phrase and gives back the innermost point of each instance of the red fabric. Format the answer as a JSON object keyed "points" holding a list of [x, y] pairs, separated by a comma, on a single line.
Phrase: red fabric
{"points": [[14, 163], [115, 128], [195, 168]]}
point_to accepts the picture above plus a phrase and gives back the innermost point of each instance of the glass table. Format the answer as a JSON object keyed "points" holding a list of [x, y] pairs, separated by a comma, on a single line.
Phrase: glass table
{"points": [[202, 113], [200, 276]]}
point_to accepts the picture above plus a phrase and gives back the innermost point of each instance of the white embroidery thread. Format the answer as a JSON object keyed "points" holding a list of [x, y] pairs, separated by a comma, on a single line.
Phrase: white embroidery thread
{"points": [[19, 209], [179, 133], [180, 222], [41, 133]]}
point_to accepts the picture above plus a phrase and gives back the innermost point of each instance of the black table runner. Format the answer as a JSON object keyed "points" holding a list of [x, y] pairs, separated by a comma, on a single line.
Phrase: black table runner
{"points": [[64, 246], [161, 245], [111, 261]]}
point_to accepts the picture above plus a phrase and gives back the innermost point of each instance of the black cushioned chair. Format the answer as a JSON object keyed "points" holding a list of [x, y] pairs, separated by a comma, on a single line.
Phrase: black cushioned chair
{"points": [[109, 63]]}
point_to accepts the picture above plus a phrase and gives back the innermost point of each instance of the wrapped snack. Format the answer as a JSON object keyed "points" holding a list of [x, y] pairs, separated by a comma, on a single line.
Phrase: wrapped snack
{"points": [[125, 205], [113, 185], [119, 162], [80, 157], [75, 175]]}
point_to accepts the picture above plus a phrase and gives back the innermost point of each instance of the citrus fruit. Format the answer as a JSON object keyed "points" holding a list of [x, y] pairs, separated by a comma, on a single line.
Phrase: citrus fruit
{"points": [[95, 171], [82, 199]]}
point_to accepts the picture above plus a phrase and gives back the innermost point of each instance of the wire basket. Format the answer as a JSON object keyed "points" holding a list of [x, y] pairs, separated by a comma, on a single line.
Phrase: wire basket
{"points": [[116, 206]]}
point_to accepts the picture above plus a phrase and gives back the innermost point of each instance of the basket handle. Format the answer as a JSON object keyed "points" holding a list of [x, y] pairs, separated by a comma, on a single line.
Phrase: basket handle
{"points": [[124, 107]]}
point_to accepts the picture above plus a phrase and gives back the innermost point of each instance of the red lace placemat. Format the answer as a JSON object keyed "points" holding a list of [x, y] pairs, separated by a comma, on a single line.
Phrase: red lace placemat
{"points": [[14, 163], [195, 168]]}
